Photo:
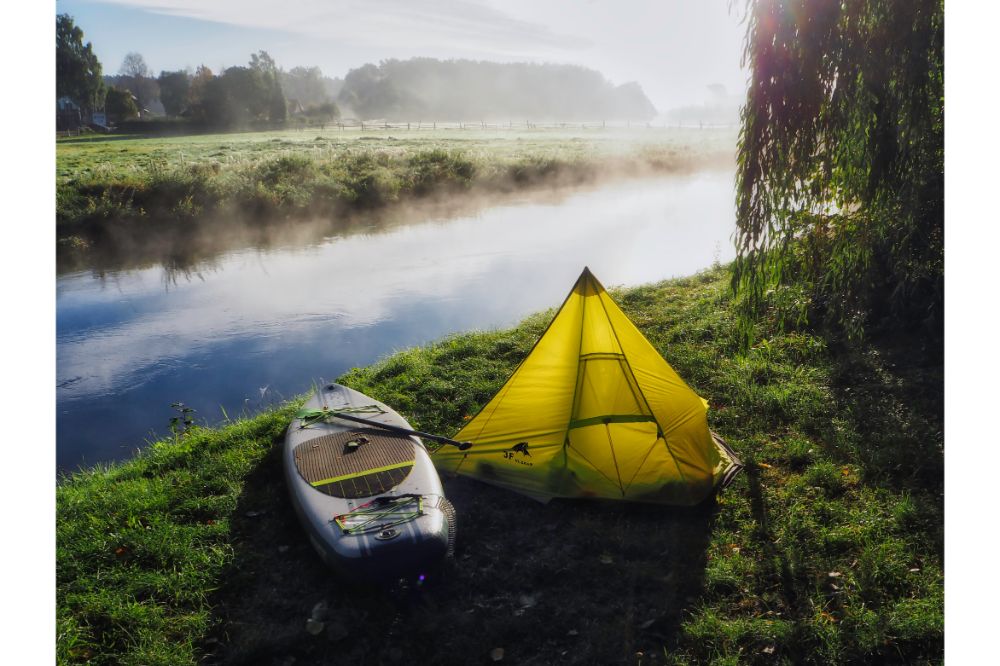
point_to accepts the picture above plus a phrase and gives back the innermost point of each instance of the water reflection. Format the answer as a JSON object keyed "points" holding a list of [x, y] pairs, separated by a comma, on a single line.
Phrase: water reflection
{"points": [[183, 247], [214, 332]]}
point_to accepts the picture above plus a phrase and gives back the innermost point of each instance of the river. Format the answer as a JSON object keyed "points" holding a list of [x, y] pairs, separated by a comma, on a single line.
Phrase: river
{"points": [[248, 328]]}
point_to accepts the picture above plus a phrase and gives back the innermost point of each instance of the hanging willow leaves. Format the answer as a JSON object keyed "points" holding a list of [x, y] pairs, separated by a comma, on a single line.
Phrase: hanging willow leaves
{"points": [[840, 181]]}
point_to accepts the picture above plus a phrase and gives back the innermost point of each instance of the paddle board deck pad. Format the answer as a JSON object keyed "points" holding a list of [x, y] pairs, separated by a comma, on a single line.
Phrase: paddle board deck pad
{"points": [[370, 500]]}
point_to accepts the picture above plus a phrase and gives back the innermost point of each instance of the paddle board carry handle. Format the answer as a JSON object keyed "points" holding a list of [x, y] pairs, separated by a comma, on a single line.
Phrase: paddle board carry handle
{"points": [[461, 446]]}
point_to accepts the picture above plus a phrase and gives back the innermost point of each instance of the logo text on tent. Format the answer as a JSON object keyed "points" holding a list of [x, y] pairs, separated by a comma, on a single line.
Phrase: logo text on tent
{"points": [[521, 449]]}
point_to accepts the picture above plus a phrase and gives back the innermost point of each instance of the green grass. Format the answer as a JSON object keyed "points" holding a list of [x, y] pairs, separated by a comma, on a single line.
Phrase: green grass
{"points": [[828, 549], [141, 545], [144, 181]]}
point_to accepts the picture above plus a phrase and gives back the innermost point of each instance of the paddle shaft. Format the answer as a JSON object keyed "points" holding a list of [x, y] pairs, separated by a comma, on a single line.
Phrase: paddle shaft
{"points": [[462, 446]]}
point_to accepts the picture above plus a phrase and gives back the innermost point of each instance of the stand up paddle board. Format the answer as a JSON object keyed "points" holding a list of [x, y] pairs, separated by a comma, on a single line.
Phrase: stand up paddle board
{"points": [[368, 497]]}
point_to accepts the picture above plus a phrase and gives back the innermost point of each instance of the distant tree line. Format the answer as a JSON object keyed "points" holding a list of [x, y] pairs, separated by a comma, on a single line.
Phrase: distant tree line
{"points": [[719, 108], [237, 96], [263, 93], [448, 90], [259, 92]]}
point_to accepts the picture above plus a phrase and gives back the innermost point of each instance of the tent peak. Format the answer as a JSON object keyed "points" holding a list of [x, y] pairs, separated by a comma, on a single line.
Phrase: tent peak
{"points": [[588, 282]]}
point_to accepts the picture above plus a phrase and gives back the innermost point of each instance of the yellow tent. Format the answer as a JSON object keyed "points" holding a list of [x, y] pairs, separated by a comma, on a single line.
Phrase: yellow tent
{"points": [[594, 411]]}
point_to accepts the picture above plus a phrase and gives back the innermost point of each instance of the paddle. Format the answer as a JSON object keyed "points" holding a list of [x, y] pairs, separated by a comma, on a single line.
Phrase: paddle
{"points": [[461, 446]]}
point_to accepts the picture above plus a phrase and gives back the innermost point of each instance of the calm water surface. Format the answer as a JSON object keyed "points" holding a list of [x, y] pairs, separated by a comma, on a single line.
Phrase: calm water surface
{"points": [[248, 328]]}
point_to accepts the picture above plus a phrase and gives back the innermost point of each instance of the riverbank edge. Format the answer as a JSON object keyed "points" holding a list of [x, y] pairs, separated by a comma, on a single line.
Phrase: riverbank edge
{"points": [[145, 547], [299, 186]]}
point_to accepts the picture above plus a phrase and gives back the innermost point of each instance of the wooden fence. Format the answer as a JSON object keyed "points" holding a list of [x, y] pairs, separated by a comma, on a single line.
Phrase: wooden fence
{"points": [[420, 125], [350, 124]]}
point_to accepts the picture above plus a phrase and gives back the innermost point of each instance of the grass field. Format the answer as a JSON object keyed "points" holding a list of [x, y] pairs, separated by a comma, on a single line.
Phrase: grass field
{"points": [[158, 181], [827, 550]]}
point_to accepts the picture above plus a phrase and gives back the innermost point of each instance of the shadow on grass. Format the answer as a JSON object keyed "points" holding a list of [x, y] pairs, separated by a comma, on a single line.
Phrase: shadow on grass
{"points": [[776, 565], [893, 392], [570, 582]]}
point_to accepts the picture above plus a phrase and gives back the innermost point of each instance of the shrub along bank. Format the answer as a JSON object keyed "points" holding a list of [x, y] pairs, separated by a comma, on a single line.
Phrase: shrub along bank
{"points": [[828, 549]]}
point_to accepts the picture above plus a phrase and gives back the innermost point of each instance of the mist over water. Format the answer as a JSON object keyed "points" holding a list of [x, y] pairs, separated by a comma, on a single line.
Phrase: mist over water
{"points": [[251, 326]]}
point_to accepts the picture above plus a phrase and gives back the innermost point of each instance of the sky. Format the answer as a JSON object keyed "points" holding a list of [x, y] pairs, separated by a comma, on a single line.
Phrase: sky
{"points": [[673, 48]]}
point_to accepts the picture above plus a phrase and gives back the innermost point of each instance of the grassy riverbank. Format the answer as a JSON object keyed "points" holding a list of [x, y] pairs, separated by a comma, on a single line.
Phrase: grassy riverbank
{"points": [[829, 549], [141, 182]]}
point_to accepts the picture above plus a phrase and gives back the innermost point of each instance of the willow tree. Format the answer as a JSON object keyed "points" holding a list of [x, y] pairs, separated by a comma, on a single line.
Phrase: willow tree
{"points": [[840, 182]]}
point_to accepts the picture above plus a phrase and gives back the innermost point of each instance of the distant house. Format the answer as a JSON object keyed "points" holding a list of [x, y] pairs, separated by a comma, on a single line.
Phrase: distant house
{"points": [[295, 108], [69, 116], [155, 108]]}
